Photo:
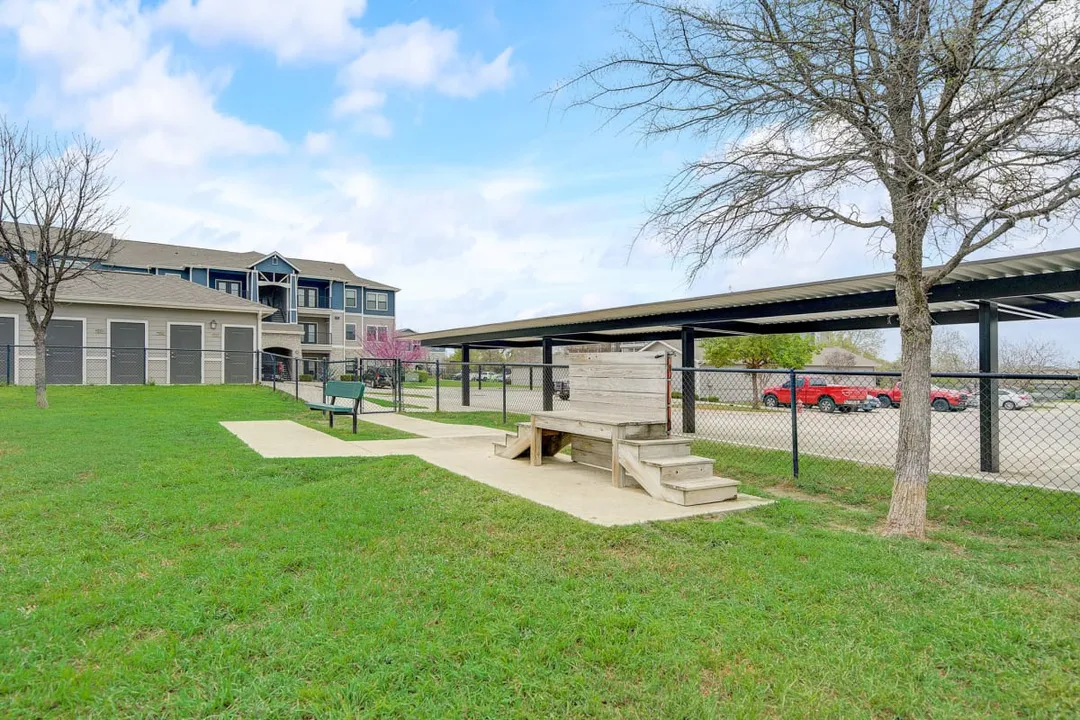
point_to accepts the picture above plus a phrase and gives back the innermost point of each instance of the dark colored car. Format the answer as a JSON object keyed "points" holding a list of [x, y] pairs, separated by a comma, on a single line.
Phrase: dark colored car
{"points": [[378, 378], [562, 389]]}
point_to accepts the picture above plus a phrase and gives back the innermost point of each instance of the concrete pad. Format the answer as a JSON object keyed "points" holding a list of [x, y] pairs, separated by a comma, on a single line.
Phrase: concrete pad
{"points": [[286, 439], [575, 489], [430, 428]]}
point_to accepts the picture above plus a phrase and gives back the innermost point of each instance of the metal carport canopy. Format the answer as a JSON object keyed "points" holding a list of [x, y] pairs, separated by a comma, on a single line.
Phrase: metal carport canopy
{"points": [[1025, 287]]}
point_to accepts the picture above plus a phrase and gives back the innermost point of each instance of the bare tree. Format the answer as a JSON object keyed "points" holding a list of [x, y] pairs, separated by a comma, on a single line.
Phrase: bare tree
{"points": [[1032, 355], [952, 352], [56, 223], [934, 128]]}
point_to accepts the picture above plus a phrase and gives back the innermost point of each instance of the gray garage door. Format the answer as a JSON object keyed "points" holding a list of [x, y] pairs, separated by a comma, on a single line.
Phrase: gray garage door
{"points": [[7, 350], [185, 354], [239, 355], [64, 352], [127, 359]]}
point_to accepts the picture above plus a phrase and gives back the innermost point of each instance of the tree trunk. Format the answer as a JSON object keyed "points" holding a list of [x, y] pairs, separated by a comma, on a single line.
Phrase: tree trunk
{"points": [[907, 509], [754, 382], [39, 367]]}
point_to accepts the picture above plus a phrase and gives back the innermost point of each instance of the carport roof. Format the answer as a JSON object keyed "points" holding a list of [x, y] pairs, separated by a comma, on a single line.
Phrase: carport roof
{"points": [[1037, 285]]}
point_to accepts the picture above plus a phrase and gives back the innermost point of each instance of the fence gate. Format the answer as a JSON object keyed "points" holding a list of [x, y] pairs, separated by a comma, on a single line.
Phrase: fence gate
{"points": [[383, 380]]}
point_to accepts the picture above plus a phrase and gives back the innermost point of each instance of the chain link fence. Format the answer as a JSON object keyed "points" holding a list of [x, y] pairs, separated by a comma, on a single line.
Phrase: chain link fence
{"points": [[996, 439]]}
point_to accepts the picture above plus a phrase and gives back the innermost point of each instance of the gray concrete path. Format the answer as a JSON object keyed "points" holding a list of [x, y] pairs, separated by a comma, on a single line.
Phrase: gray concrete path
{"points": [[575, 489]]}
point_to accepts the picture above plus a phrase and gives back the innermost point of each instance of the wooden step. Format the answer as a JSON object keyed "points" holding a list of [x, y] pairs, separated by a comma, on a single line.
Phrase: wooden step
{"points": [[668, 447], [689, 467], [701, 490]]}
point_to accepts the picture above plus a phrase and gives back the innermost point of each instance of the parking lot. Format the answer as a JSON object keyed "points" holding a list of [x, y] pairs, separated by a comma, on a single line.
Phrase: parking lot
{"points": [[1039, 446]]}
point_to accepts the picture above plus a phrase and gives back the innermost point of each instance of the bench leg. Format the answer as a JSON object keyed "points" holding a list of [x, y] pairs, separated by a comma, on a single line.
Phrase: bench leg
{"points": [[536, 449], [354, 424], [616, 466], [331, 419]]}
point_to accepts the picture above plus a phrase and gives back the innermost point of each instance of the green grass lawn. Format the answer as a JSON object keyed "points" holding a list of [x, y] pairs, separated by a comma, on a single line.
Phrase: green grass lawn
{"points": [[151, 565], [485, 418]]}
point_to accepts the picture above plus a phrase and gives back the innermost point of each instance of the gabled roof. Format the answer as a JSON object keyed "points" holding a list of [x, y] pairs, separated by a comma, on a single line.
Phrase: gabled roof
{"points": [[277, 255], [138, 290], [134, 253]]}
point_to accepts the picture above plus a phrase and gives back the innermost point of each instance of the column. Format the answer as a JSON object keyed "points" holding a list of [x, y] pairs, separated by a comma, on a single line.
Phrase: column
{"points": [[689, 383], [989, 436]]}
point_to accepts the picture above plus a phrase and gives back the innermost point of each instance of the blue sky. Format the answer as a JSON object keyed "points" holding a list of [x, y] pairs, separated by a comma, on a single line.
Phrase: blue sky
{"points": [[407, 139]]}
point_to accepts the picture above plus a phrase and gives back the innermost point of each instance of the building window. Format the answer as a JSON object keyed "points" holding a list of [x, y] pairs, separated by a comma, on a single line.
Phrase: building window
{"points": [[350, 331], [232, 287], [174, 273], [307, 297], [311, 333], [376, 332], [273, 260], [350, 297], [378, 301]]}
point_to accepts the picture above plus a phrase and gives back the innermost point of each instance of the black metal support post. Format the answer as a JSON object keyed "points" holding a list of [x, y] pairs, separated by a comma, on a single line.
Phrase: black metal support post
{"points": [[504, 392], [689, 383], [530, 378], [465, 376], [989, 437], [438, 376], [794, 427], [549, 380], [296, 376]]}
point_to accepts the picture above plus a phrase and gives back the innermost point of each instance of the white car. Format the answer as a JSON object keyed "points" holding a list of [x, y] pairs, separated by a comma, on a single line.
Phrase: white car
{"points": [[1013, 400]]}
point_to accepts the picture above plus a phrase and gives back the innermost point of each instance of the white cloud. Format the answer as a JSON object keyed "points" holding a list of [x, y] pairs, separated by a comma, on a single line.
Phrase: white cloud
{"points": [[100, 74], [416, 56], [291, 29], [318, 143], [90, 42], [170, 119]]}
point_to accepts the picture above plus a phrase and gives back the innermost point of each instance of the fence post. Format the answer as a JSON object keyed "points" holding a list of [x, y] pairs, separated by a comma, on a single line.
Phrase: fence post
{"points": [[10, 366], [399, 370], [438, 374], [794, 403], [504, 392], [296, 376]]}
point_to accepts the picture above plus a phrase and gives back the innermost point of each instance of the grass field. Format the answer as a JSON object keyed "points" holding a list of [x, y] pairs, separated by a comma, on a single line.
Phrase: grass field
{"points": [[153, 566]]}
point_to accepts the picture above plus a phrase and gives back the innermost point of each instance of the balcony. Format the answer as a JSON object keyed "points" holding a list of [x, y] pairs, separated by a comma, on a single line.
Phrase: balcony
{"points": [[312, 299], [312, 337]]}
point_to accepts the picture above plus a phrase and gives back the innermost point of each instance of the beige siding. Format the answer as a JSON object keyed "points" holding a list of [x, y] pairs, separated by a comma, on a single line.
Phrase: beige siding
{"points": [[96, 319]]}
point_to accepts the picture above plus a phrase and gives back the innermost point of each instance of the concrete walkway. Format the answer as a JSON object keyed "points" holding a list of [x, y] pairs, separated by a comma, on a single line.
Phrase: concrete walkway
{"points": [[581, 491]]}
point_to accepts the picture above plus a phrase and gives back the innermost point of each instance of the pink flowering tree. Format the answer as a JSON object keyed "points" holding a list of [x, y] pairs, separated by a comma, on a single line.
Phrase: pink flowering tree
{"points": [[392, 346]]}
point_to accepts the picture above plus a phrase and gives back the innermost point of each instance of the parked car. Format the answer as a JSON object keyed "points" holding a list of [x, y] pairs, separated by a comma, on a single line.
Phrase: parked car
{"points": [[869, 404], [562, 389], [378, 378], [1013, 399], [941, 399], [817, 392]]}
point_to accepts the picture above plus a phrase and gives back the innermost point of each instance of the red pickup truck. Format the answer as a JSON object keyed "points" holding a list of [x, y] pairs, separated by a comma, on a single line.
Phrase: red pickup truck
{"points": [[815, 391], [941, 399]]}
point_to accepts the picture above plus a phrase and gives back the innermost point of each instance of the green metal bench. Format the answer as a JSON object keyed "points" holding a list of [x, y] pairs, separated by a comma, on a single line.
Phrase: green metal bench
{"points": [[339, 389]]}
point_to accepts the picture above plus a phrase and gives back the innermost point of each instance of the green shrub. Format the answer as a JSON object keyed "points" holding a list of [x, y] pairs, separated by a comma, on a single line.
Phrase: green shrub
{"points": [[306, 378], [348, 378], [676, 395], [423, 375]]}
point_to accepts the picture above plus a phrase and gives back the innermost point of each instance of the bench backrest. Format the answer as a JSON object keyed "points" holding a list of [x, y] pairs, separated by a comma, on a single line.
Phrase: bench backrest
{"points": [[630, 384], [344, 389]]}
